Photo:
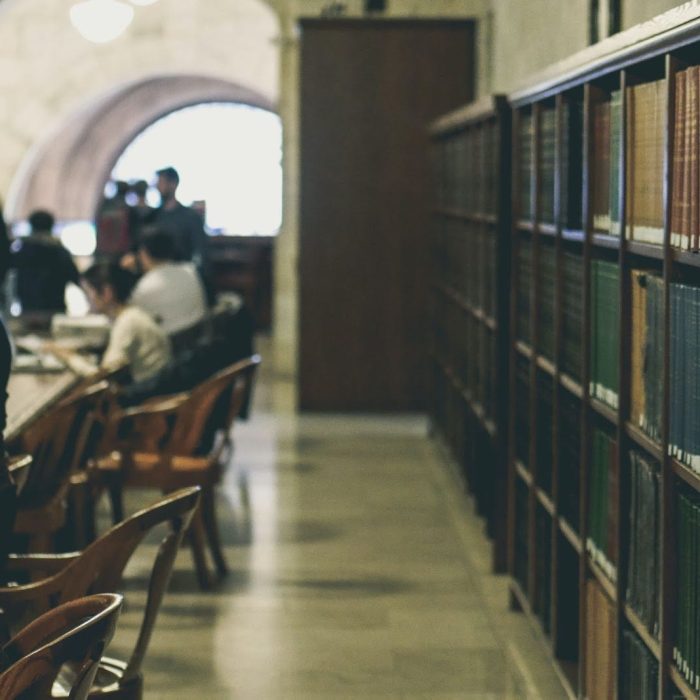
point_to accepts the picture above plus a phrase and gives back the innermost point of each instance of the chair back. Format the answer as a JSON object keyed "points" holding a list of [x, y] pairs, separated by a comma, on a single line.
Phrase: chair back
{"points": [[56, 442], [74, 633], [243, 374], [100, 566], [11, 483]]}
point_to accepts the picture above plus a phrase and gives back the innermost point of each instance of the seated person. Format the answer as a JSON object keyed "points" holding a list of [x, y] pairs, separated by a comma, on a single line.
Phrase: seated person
{"points": [[135, 337], [44, 267], [171, 292]]}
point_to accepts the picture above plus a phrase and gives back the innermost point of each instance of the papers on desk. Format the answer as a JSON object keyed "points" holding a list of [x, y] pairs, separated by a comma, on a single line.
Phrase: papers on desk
{"points": [[37, 362], [91, 331]]}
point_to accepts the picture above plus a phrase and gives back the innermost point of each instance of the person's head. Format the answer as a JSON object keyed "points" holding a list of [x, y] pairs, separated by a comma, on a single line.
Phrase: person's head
{"points": [[41, 221], [139, 188], [155, 248], [108, 286], [122, 189], [167, 182]]}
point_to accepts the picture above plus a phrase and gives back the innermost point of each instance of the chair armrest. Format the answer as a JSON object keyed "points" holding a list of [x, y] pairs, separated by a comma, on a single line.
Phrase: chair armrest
{"points": [[42, 563]]}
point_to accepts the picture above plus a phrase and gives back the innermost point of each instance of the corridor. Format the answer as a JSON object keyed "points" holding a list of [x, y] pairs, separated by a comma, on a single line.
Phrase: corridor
{"points": [[357, 571]]}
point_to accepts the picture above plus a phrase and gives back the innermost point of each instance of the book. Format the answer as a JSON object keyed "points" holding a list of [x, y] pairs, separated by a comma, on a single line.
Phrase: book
{"points": [[601, 642], [526, 162], [571, 358], [645, 142], [572, 164], [600, 168], [605, 332]]}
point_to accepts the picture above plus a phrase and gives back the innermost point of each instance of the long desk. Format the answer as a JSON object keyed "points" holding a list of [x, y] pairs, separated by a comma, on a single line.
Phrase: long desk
{"points": [[29, 395]]}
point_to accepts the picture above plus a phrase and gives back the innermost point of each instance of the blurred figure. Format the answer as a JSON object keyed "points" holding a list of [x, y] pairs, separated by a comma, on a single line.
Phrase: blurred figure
{"points": [[115, 225], [171, 292], [135, 337], [144, 213], [183, 223], [4, 247], [44, 267]]}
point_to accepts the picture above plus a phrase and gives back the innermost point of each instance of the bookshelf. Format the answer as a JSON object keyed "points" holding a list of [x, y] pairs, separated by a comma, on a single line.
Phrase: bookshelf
{"points": [[469, 409], [604, 416]]}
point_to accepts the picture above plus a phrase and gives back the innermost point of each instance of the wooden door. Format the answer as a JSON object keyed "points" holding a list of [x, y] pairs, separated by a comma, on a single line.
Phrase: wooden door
{"points": [[368, 91]]}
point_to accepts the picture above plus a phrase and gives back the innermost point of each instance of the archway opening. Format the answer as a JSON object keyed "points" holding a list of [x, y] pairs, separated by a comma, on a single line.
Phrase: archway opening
{"points": [[229, 157]]}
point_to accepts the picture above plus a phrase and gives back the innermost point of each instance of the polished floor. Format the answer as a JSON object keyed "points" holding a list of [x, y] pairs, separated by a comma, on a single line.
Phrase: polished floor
{"points": [[357, 571]]}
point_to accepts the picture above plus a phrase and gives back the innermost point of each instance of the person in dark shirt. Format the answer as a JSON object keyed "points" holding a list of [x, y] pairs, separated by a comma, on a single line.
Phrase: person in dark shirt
{"points": [[44, 267], [183, 223]]}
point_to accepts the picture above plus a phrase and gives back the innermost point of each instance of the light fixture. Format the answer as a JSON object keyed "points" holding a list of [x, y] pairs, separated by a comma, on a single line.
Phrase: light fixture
{"points": [[101, 21]]}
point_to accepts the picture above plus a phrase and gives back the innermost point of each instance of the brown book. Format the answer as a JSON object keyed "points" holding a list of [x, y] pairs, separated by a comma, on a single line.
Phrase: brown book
{"points": [[646, 106], [678, 163]]}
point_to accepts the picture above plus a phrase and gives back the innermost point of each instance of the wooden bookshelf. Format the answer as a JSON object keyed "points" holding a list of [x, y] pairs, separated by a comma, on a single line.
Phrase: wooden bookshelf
{"points": [[605, 193], [471, 220]]}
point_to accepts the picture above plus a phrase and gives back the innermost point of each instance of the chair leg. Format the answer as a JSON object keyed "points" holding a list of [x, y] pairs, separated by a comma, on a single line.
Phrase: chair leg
{"points": [[196, 537], [211, 526], [116, 499]]}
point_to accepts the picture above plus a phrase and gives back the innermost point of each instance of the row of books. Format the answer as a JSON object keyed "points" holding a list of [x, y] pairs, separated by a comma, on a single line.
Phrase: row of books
{"points": [[465, 256], [603, 485], [543, 442], [643, 568], [645, 120], [547, 277], [522, 410], [684, 408], [524, 282], [647, 352], [686, 650], [571, 360], [468, 348], [640, 669], [605, 331], [569, 435], [547, 145], [543, 567], [572, 159], [601, 642], [465, 167]]}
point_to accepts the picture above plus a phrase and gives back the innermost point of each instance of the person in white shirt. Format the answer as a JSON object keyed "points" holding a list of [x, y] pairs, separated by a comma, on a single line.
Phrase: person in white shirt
{"points": [[171, 292], [135, 337]]}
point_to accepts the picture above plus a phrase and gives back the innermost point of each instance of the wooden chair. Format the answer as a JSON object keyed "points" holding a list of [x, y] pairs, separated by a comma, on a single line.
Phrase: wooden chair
{"points": [[55, 442], [178, 441], [99, 568], [18, 471], [74, 633]]}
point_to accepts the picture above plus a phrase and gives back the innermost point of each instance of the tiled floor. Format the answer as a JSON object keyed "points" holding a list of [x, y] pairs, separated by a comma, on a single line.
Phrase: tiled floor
{"points": [[357, 571]]}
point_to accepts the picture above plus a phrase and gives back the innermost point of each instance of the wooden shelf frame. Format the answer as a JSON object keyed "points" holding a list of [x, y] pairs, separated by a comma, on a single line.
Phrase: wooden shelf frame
{"points": [[470, 312], [667, 43]]}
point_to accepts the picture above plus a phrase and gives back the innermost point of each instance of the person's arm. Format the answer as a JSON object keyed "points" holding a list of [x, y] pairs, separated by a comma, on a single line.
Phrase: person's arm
{"points": [[121, 341]]}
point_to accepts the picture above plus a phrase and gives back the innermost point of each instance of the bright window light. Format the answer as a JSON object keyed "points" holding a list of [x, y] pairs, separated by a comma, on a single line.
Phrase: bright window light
{"points": [[78, 237], [228, 155], [100, 21]]}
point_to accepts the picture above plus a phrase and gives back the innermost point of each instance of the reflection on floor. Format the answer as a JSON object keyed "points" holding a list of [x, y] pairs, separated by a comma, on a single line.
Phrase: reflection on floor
{"points": [[357, 571]]}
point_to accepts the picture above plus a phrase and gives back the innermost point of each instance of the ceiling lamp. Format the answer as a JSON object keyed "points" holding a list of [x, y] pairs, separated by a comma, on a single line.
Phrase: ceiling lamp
{"points": [[101, 21]]}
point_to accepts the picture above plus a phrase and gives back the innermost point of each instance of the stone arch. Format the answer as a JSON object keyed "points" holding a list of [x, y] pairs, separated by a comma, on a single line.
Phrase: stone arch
{"points": [[66, 172]]}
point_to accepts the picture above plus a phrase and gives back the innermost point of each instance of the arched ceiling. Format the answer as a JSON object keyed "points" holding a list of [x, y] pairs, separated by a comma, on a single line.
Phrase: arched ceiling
{"points": [[67, 171]]}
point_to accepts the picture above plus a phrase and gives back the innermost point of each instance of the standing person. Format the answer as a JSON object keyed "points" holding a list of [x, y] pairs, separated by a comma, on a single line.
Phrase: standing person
{"points": [[44, 267], [143, 212], [183, 223], [170, 291]]}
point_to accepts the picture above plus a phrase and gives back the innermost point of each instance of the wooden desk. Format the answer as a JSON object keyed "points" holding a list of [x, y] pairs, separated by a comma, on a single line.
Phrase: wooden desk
{"points": [[31, 394]]}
